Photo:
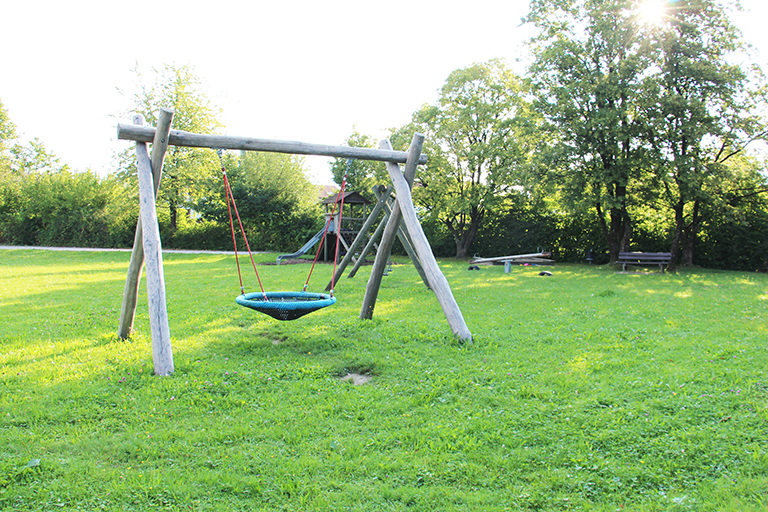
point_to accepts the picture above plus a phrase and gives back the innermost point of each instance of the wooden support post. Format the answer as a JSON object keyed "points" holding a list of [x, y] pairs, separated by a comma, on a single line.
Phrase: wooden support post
{"points": [[390, 231], [130, 294], [405, 239], [343, 242], [359, 239], [436, 278], [162, 354], [369, 246], [405, 210]]}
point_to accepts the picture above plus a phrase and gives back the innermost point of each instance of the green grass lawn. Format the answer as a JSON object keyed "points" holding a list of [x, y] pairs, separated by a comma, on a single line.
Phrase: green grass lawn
{"points": [[588, 390]]}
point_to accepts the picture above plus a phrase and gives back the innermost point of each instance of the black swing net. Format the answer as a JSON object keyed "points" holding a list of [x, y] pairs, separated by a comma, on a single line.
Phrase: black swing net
{"points": [[284, 305]]}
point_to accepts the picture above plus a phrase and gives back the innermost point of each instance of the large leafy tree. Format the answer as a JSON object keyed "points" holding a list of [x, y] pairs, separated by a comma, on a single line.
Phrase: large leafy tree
{"points": [[703, 112], [589, 62], [185, 170], [478, 142], [645, 113]]}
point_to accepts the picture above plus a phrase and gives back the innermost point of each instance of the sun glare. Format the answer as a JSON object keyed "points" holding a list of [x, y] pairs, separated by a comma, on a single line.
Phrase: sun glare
{"points": [[652, 12]]}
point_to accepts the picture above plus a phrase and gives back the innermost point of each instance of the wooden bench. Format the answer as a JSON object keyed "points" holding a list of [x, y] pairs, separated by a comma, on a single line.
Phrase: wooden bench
{"points": [[644, 258]]}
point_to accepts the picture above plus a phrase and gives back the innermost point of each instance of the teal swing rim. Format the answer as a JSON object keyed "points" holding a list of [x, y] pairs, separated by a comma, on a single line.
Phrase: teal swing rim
{"points": [[275, 304]]}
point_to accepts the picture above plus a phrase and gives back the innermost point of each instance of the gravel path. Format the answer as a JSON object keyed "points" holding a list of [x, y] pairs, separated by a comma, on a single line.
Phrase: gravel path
{"points": [[91, 249]]}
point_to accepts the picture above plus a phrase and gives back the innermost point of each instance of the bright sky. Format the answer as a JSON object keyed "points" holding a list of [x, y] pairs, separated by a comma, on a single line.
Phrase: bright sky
{"points": [[305, 70]]}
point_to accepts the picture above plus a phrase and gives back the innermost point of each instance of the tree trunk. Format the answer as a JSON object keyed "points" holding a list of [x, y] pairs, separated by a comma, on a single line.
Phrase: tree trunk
{"points": [[690, 234], [627, 227], [464, 239], [604, 228], [463, 243], [617, 230], [676, 239], [174, 213]]}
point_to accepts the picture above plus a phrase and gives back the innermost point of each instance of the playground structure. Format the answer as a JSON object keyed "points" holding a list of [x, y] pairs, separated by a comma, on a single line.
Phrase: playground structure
{"points": [[384, 204], [537, 258], [346, 229], [147, 248], [360, 235]]}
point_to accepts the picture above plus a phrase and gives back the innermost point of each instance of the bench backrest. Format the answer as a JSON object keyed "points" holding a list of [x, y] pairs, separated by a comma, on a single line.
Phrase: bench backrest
{"points": [[645, 256]]}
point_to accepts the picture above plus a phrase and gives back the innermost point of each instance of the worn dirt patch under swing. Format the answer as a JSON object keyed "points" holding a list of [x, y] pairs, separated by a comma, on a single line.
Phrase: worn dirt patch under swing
{"points": [[356, 378]]}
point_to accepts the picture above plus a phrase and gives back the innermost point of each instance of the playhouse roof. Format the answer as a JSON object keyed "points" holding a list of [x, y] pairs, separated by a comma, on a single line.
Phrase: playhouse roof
{"points": [[349, 198]]}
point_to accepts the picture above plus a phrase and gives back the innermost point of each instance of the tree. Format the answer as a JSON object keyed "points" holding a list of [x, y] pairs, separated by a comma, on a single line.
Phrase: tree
{"points": [[477, 145], [34, 158], [42, 202], [589, 62], [7, 135], [7, 129], [26, 166], [185, 170], [643, 115], [275, 199], [703, 114], [734, 227], [362, 175]]}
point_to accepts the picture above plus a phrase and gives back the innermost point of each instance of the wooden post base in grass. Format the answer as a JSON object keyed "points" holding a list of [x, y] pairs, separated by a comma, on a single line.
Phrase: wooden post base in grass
{"points": [[162, 354], [405, 211]]}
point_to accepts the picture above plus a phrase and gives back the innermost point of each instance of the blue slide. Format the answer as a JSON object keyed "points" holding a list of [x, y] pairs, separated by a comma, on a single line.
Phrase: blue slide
{"points": [[312, 241]]}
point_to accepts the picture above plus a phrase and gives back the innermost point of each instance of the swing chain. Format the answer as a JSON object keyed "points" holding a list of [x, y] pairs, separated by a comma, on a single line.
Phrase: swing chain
{"points": [[231, 206], [220, 153]]}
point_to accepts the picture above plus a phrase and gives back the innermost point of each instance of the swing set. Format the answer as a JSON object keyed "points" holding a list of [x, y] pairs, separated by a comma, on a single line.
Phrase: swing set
{"points": [[283, 305]]}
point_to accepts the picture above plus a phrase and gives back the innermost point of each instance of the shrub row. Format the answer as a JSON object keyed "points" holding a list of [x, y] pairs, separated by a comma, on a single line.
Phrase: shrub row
{"points": [[80, 209]]}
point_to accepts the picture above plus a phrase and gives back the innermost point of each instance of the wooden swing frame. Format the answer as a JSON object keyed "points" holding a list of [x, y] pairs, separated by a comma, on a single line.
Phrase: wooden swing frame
{"points": [[147, 247]]}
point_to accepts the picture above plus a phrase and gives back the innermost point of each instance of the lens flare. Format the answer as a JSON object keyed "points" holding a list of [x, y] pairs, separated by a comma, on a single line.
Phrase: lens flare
{"points": [[652, 12]]}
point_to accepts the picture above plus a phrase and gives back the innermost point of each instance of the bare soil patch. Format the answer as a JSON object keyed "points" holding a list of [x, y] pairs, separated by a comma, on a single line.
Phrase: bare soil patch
{"points": [[356, 378]]}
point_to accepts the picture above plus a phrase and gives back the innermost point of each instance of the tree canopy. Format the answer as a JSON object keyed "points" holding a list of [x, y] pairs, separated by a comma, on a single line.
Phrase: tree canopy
{"points": [[362, 175], [7, 135], [44, 202], [477, 142], [185, 170], [702, 114], [275, 199], [641, 113]]}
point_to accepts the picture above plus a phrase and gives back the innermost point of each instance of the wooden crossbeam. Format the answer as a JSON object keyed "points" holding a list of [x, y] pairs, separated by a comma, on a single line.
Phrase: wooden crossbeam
{"points": [[197, 140]]}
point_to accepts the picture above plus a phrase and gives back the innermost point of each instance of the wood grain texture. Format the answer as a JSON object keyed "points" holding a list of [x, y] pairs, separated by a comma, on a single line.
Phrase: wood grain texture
{"points": [[369, 246], [162, 354], [390, 232], [405, 240]]}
